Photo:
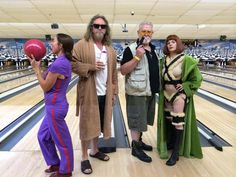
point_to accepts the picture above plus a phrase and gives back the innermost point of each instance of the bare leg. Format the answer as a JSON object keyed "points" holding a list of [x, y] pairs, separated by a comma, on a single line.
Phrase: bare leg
{"points": [[178, 106], [84, 147], [135, 135], [94, 148]]}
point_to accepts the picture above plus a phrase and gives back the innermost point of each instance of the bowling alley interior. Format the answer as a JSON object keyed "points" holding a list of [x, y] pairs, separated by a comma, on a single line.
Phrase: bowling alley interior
{"points": [[207, 29]]}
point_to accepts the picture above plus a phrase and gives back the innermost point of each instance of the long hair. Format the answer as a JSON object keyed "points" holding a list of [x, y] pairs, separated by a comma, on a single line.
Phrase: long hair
{"points": [[179, 45], [67, 44], [107, 36]]}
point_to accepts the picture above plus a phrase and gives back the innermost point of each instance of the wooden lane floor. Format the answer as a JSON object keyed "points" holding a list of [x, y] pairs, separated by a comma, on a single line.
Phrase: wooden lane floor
{"points": [[16, 74], [122, 163], [8, 69], [216, 118], [25, 76], [221, 71], [219, 90], [13, 107], [219, 80], [16, 83]]}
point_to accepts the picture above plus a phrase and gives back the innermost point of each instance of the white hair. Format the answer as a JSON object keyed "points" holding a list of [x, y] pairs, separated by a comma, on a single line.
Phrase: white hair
{"points": [[145, 23]]}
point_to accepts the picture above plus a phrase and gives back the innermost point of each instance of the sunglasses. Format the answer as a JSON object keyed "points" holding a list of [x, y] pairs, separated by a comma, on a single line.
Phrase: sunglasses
{"points": [[148, 33], [97, 26]]}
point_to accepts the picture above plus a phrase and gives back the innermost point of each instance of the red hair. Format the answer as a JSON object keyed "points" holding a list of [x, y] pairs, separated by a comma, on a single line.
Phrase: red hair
{"points": [[179, 45]]}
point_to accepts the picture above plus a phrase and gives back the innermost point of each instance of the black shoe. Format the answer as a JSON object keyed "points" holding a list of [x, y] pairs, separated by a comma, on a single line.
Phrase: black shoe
{"points": [[57, 174], [141, 155], [172, 160], [138, 152], [175, 154], [146, 147], [143, 145], [52, 169]]}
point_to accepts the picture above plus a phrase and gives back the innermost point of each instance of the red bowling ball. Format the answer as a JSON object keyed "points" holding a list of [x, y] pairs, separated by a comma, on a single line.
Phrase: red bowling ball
{"points": [[36, 48]]}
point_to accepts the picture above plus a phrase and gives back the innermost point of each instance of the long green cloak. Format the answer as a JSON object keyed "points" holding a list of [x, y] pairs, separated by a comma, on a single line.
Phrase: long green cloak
{"points": [[191, 81]]}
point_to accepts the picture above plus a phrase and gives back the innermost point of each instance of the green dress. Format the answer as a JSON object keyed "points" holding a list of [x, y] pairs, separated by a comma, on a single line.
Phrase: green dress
{"points": [[191, 81]]}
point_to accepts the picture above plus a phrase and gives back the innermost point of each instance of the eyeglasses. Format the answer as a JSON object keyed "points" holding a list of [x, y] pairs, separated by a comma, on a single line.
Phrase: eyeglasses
{"points": [[98, 25], [148, 33]]}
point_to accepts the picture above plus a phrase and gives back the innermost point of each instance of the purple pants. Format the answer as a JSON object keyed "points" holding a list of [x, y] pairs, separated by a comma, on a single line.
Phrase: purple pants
{"points": [[54, 131]]}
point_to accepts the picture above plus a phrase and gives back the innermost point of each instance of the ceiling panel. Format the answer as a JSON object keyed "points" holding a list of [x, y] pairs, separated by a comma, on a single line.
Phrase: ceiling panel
{"points": [[11, 4], [192, 19], [33, 18]]}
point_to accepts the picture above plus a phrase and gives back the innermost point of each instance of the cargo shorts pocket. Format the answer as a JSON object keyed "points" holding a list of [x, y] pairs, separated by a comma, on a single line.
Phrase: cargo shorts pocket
{"points": [[133, 120]]}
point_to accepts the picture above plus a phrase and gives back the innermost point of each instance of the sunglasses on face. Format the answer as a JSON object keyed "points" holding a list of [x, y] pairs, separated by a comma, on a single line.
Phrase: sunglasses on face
{"points": [[147, 33], [97, 26]]}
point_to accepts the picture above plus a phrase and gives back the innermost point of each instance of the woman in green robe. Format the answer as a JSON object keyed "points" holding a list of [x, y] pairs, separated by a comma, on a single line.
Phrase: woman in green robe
{"points": [[177, 126]]}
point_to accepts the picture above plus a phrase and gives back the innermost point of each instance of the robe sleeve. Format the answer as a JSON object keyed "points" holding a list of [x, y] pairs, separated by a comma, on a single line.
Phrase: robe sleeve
{"points": [[114, 75], [193, 81], [78, 67]]}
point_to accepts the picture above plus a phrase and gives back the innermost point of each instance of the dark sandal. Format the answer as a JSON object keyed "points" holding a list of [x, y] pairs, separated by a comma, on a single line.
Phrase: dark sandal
{"points": [[57, 174], [52, 169], [85, 165], [101, 156]]}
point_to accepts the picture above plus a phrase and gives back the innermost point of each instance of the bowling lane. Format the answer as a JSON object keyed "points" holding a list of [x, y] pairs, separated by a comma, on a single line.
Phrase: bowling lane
{"points": [[218, 119], [12, 108], [29, 141], [227, 72], [16, 83], [3, 72], [219, 80], [219, 90], [8, 69], [18, 78], [16, 74]]}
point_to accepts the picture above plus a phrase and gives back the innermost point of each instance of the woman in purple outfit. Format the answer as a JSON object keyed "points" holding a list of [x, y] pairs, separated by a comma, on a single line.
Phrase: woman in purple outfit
{"points": [[53, 130]]}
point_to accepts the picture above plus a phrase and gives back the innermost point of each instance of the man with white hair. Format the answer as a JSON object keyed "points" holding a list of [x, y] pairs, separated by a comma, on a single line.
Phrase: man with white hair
{"points": [[141, 69]]}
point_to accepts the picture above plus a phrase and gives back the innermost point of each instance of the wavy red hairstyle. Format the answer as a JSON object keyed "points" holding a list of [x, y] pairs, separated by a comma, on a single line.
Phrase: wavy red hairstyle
{"points": [[179, 47]]}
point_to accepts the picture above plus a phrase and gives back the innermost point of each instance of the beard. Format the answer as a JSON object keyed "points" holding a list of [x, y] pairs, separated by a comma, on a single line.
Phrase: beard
{"points": [[146, 40], [98, 36]]}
